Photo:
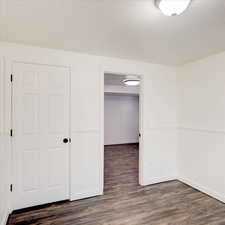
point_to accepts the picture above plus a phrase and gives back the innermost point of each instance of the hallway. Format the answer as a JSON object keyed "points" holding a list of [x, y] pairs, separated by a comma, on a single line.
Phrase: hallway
{"points": [[121, 169]]}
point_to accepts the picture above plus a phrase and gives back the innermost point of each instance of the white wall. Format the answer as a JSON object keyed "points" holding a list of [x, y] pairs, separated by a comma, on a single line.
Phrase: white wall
{"points": [[159, 147], [2, 191], [5, 170], [159, 131], [121, 119], [86, 127], [202, 125]]}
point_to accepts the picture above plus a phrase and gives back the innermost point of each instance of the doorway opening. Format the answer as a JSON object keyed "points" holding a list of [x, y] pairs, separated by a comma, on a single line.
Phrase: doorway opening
{"points": [[122, 110]]}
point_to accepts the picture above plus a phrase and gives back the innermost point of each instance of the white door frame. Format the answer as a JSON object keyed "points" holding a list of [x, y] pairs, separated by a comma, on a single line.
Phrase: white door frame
{"points": [[140, 166]]}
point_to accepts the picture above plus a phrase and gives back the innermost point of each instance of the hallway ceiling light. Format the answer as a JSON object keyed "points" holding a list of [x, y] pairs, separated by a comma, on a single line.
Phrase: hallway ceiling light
{"points": [[131, 81], [172, 7]]}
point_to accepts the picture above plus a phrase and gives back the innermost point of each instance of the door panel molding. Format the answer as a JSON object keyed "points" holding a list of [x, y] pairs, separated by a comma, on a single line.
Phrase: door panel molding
{"points": [[41, 119]]}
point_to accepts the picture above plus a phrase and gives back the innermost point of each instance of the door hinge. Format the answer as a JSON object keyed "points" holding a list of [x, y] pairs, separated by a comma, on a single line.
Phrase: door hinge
{"points": [[11, 132], [11, 78], [11, 187]]}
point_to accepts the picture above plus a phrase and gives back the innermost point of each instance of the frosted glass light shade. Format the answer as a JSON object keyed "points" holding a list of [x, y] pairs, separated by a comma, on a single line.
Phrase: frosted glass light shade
{"points": [[131, 81], [172, 7]]}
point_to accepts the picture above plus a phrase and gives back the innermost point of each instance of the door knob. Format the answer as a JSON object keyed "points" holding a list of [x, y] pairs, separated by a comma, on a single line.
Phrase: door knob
{"points": [[65, 140]]}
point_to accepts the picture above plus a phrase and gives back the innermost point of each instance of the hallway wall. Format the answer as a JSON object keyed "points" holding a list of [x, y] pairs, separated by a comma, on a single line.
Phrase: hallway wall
{"points": [[121, 119]]}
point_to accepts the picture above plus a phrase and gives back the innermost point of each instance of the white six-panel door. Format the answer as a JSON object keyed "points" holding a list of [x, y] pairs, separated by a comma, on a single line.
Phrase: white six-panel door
{"points": [[40, 123]]}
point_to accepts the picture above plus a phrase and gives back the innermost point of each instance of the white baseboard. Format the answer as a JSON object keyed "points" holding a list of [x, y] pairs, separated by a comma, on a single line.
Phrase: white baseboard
{"points": [[158, 180], [86, 194], [203, 189]]}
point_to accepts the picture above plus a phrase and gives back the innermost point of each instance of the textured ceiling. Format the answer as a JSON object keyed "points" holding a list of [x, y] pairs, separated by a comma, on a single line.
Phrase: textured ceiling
{"points": [[131, 29]]}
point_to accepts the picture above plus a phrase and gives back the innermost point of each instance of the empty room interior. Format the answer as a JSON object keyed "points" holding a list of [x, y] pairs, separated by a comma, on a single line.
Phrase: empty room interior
{"points": [[112, 112]]}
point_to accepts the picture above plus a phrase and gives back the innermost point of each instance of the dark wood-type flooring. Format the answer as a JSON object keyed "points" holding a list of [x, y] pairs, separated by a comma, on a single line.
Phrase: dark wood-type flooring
{"points": [[127, 203]]}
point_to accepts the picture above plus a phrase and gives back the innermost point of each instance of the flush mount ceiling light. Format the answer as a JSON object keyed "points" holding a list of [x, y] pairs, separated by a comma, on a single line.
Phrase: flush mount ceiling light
{"points": [[172, 7], [131, 81]]}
